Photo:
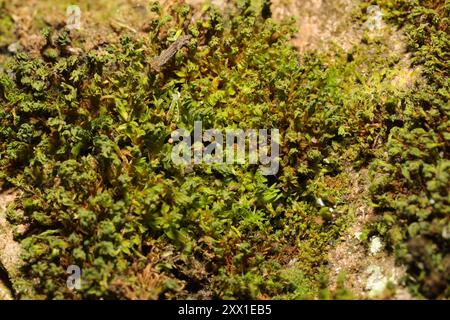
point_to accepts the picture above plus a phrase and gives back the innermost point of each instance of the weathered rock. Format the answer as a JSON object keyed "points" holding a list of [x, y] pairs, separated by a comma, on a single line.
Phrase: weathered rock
{"points": [[9, 248]]}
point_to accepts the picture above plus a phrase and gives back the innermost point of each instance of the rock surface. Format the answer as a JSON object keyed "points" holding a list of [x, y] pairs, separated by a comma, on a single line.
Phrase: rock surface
{"points": [[9, 248]]}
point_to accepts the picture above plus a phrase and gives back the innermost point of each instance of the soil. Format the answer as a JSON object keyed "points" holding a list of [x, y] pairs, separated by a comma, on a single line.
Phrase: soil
{"points": [[9, 248]]}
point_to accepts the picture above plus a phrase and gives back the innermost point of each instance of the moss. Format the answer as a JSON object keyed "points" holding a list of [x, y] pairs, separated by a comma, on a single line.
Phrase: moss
{"points": [[86, 138], [101, 192]]}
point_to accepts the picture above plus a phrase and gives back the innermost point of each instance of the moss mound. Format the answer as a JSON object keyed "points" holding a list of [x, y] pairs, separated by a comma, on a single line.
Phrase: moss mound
{"points": [[85, 138], [412, 180]]}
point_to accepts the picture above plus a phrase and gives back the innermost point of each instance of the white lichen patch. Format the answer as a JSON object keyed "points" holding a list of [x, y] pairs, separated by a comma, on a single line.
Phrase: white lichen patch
{"points": [[375, 245], [376, 282]]}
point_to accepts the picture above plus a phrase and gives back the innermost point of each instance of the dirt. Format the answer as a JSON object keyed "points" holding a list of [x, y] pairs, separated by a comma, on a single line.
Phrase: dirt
{"points": [[9, 248], [100, 21], [321, 23]]}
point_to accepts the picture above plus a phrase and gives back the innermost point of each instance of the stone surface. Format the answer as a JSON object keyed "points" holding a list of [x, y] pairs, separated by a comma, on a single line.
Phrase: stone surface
{"points": [[9, 248]]}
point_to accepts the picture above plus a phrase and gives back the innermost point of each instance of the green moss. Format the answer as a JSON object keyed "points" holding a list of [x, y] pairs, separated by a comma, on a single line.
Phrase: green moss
{"points": [[411, 181], [86, 139]]}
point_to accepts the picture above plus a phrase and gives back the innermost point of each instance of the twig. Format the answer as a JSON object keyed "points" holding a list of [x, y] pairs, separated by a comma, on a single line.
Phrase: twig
{"points": [[167, 54]]}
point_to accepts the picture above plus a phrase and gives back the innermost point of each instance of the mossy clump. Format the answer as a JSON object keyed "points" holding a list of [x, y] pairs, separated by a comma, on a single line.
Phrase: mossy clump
{"points": [[86, 140], [411, 182]]}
